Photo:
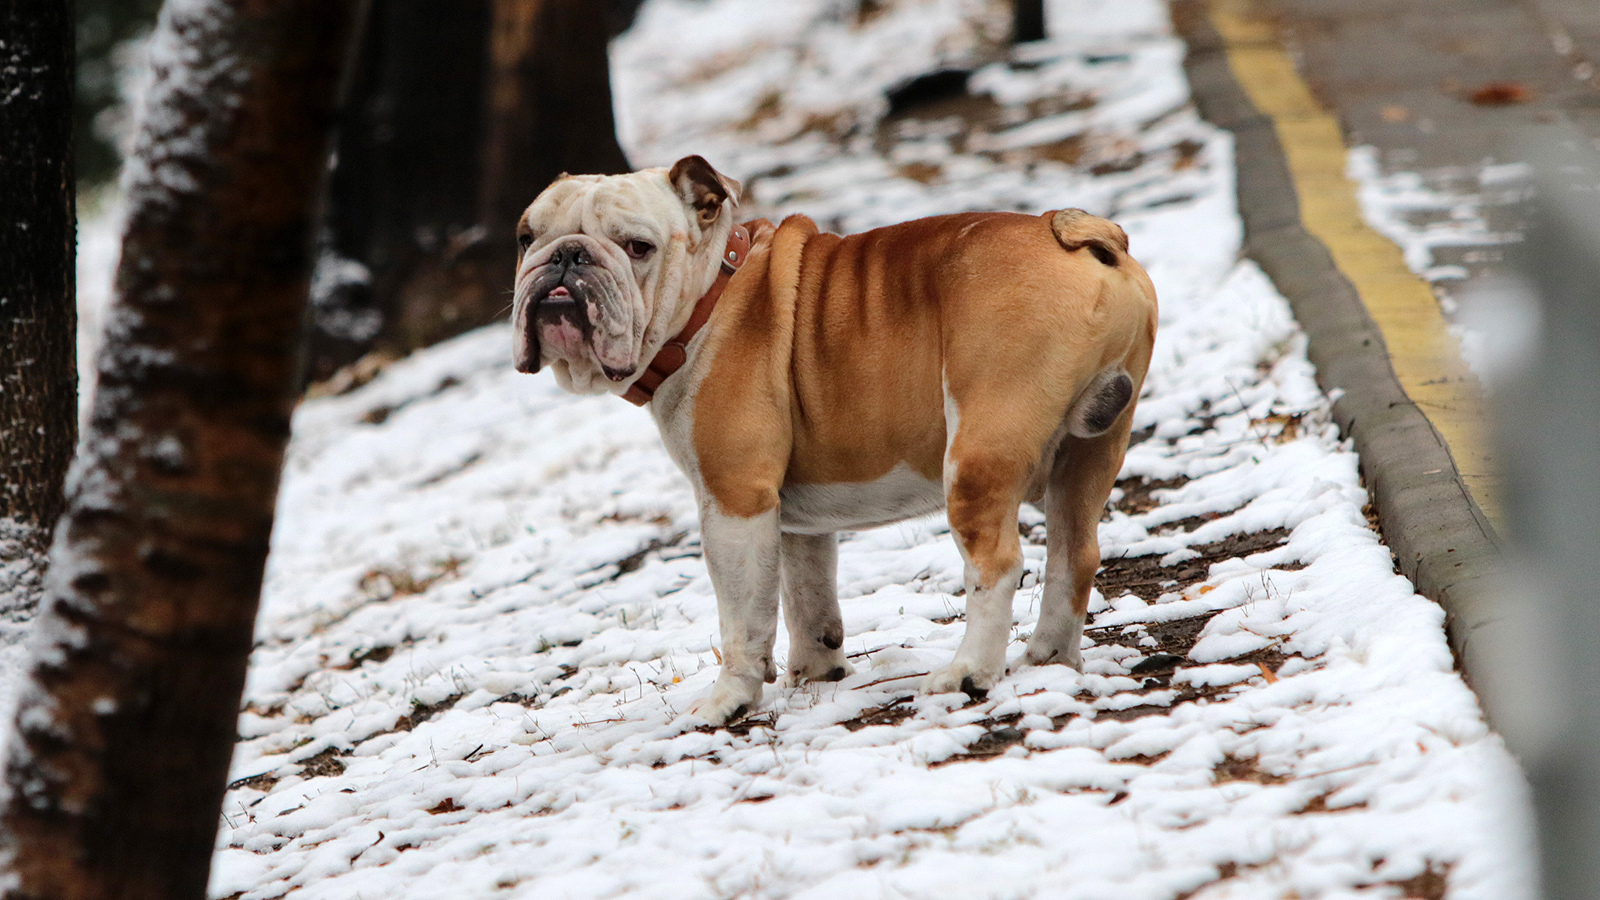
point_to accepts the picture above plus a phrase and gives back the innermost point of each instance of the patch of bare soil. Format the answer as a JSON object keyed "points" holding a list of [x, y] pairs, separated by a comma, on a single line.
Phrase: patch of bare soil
{"points": [[354, 375], [376, 654], [892, 713], [1138, 493], [1432, 884], [1147, 579], [743, 725], [328, 762], [1001, 735], [388, 582], [381, 413], [1235, 768], [262, 782], [422, 712], [1319, 804]]}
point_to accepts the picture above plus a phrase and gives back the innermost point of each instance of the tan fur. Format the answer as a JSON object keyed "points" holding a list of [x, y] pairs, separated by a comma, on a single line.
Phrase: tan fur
{"points": [[986, 303]]}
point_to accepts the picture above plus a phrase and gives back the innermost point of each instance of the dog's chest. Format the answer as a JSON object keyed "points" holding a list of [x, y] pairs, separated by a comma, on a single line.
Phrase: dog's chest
{"points": [[823, 508]]}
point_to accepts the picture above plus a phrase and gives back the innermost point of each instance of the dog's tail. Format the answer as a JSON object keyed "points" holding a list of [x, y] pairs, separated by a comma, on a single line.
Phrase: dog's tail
{"points": [[1076, 229]]}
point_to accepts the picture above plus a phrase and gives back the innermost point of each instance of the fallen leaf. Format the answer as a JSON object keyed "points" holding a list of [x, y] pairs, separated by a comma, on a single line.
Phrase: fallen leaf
{"points": [[1501, 93]]}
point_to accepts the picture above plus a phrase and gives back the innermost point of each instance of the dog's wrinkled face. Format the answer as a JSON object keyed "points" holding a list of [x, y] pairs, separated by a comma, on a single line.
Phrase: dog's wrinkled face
{"points": [[610, 264]]}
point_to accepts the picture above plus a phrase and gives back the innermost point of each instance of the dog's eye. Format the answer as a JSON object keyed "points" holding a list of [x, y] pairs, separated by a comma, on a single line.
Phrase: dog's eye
{"points": [[639, 249], [525, 240]]}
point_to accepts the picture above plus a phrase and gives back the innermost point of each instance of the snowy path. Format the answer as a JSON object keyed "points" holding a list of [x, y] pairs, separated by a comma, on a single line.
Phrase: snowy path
{"points": [[486, 603]]}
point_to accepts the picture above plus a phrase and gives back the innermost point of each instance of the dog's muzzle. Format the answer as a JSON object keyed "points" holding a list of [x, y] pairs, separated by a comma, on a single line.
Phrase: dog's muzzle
{"points": [[555, 297]]}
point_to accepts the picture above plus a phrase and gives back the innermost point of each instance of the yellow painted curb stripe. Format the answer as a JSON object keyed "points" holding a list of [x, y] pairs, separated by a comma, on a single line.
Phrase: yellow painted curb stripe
{"points": [[1425, 356]]}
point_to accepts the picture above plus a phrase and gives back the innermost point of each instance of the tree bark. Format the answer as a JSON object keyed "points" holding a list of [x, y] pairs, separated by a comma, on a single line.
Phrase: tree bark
{"points": [[38, 322], [550, 111], [453, 127], [403, 201], [124, 730]]}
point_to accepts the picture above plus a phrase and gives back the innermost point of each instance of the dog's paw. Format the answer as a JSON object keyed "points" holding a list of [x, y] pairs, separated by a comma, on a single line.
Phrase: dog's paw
{"points": [[823, 667], [1042, 653], [729, 699], [963, 677]]}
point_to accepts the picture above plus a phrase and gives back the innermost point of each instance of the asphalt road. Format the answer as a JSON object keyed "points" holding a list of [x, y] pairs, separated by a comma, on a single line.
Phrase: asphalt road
{"points": [[1442, 87]]}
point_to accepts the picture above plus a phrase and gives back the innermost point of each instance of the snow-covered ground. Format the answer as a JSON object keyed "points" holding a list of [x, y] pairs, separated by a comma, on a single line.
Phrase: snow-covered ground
{"points": [[486, 606]]}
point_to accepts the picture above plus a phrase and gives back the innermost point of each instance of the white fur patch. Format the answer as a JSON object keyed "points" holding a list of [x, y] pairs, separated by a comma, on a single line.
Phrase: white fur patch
{"points": [[822, 508]]}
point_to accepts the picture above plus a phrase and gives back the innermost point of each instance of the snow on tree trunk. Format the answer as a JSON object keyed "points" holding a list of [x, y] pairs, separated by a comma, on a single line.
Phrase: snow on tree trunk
{"points": [[116, 770], [38, 376]]}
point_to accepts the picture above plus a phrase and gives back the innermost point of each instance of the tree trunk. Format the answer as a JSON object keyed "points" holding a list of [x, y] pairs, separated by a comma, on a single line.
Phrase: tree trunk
{"points": [[453, 127], [403, 202], [550, 111], [38, 375], [117, 767], [1027, 21]]}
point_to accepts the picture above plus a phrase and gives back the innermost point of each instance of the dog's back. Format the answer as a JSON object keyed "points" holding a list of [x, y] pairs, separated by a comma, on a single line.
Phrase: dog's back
{"points": [[895, 324]]}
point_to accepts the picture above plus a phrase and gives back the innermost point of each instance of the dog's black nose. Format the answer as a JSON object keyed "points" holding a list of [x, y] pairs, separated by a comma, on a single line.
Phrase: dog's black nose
{"points": [[571, 254]]}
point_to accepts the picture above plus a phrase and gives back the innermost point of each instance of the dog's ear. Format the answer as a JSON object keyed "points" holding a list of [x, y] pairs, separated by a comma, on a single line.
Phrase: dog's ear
{"points": [[703, 187]]}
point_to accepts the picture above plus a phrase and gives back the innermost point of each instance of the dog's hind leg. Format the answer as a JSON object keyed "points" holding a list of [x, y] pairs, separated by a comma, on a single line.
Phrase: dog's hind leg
{"points": [[986, 470], [811, 609], [1084, 471]]}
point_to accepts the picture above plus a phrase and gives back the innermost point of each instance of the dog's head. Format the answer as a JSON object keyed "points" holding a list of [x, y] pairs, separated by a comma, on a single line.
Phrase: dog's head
{"points": [[610, 267]]}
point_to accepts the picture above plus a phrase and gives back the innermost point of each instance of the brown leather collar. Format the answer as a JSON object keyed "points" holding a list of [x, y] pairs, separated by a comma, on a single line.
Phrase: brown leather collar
{"points": [[674, 353]]}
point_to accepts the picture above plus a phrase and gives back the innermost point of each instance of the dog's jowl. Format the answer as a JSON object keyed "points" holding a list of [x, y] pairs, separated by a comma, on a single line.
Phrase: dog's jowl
{"points": [[809, 382]]}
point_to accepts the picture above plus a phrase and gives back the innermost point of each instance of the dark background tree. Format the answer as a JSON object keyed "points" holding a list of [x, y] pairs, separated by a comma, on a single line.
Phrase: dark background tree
{"points": [[38, 374], [1027, 21], [102, 27], [453, 126], [402, 203], [550, 111], [125, 726]]}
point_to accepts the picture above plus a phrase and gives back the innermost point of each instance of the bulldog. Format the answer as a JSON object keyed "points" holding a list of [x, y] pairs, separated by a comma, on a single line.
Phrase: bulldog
{"points": [[808, 383]]}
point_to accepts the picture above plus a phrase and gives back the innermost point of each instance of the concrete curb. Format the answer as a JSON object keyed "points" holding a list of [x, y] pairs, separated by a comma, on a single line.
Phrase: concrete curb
{"points": [[1440, 538]]}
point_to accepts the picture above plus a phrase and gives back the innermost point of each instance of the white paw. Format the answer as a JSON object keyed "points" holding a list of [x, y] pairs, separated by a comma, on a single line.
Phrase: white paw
{"points": [[963, 677], [729, 699], [830, 667], [1042, 653]]}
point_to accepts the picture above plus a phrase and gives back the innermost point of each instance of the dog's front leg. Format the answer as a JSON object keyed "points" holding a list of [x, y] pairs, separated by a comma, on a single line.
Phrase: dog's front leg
{"points": [[742, 555], [811, 609]]}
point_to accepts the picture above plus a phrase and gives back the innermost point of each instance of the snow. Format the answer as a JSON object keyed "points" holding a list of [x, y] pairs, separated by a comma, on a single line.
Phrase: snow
{"points": [[486, 607], [100, 220], [193, 88], [19, 579]]}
